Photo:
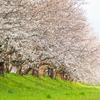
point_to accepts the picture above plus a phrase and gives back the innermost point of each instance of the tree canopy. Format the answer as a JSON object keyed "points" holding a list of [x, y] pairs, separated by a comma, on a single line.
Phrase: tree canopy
{"points": [[55, 32]]}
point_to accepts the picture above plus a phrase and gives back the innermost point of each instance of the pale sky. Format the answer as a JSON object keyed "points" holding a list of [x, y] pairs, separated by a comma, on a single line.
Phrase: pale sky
{"points": [[93, 14]]}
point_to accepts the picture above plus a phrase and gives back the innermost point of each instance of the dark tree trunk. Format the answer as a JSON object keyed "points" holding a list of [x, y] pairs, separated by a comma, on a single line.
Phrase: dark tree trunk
{"points": [[26, 71], [6, 69], [35, 72], [63, 75], [19, 68], [2, 68], [51, 73]]}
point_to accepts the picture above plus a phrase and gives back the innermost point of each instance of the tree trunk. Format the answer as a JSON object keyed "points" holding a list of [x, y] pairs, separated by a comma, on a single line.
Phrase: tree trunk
{"points": [[51, 73], [19, 70], [35, 72], [2, 68], [26, 71], [6, 69]]}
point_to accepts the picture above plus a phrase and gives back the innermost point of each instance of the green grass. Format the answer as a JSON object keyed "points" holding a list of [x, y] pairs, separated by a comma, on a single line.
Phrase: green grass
{"points": [[16, 87]]}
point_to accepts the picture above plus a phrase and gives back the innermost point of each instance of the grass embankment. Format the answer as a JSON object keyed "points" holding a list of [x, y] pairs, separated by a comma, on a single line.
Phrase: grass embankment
{"points": [[16, 87]]}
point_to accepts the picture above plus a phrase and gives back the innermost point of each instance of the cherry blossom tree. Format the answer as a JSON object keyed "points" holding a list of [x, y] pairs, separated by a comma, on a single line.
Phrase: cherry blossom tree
{"points": [[53, 32]]}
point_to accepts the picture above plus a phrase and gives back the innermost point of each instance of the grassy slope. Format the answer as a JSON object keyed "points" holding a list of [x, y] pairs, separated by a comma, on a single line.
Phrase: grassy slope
{"points": [[16, 87]]}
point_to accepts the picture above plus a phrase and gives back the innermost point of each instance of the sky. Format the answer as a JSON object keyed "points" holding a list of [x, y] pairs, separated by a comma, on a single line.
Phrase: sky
{"points": [[93, 14]]}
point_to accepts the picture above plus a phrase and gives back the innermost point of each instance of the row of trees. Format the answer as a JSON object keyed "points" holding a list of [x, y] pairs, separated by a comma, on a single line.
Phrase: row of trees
{"points": [[54, 32]]}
